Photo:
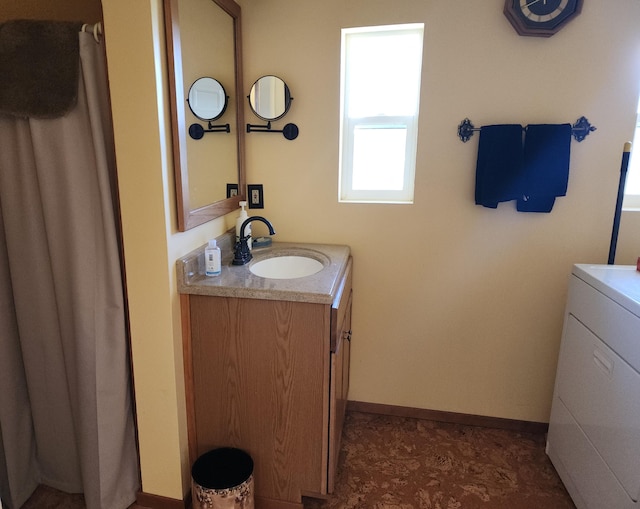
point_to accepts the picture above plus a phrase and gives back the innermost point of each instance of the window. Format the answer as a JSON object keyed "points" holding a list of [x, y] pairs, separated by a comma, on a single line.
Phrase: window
{"points": [[632, 187], [380, 93]]}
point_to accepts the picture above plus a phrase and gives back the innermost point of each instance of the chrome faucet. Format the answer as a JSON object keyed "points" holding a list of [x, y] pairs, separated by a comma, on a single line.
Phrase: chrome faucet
{"points": [[242, 253]]}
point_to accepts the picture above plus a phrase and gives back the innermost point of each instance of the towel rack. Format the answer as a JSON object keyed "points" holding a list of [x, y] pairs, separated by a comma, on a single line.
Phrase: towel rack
{"points": [[580, 130]]}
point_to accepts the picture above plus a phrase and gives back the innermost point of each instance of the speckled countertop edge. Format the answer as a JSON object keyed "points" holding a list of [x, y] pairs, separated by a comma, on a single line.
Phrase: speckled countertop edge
{"points": [[240, 282]]}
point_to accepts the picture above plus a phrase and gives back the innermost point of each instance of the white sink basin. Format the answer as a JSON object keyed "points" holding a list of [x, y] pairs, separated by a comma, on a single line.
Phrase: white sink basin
{"points": [[286, 267]]}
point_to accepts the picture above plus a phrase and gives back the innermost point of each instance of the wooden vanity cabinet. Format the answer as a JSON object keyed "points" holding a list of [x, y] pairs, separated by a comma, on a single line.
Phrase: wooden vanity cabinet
{"points": [[270, 377]]}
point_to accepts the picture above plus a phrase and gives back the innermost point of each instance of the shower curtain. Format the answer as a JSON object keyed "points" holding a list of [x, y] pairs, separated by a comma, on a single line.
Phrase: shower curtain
{"points": [[66, 417]]}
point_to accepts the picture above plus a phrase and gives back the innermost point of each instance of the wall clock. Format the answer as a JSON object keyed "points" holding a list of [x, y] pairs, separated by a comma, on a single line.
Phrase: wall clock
{"points": [[540, 18]]}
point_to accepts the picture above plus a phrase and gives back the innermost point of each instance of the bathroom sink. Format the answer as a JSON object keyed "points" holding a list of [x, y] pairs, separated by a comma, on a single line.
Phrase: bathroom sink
{"points": [[239, 281], [286, 267]]}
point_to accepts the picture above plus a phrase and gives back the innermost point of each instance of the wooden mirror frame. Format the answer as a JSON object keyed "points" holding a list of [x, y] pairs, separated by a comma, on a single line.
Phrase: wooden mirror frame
{"points": [[187, 217]]}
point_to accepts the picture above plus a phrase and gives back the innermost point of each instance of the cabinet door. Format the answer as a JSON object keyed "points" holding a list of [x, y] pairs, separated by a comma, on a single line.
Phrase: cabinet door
{"points": [[339, 391], [260, 383]]}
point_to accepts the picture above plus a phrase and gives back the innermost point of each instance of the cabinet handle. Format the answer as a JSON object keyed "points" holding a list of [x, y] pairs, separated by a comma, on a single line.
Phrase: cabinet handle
{"points": [[347, 335]]}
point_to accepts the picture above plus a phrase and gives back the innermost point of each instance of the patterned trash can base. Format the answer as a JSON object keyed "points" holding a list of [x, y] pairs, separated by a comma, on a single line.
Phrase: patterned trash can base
{"points": [[222, 479]]}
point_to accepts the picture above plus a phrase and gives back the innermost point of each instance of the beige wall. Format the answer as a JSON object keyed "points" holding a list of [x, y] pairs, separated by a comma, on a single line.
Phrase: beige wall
{"points": [[137, 74], [457, 307]]}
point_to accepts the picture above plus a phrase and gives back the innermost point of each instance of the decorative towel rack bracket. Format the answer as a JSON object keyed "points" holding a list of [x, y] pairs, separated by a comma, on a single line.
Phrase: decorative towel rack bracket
{"points": [[580, 130], [466, 130]]}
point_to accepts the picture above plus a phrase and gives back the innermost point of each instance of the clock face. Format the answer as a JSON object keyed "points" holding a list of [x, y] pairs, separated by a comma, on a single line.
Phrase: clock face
{"points": [[543, 11], [541, 18]]}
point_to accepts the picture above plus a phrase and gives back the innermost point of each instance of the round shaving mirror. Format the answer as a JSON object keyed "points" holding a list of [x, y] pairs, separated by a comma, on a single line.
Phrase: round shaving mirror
{"points": [[270, 98], [207, 99]]}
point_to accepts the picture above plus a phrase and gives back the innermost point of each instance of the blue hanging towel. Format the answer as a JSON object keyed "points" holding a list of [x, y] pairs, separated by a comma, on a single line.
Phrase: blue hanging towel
{"points": [[499, 165], [545, 167]]}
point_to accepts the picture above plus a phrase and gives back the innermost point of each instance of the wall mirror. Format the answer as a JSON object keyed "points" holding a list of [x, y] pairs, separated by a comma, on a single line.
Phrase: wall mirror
{"points": [[204, 39]]}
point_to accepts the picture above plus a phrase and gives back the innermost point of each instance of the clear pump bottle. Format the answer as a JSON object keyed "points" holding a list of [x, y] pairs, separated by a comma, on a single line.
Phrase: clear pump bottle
{"points": [[242, 217], [212, 259]]}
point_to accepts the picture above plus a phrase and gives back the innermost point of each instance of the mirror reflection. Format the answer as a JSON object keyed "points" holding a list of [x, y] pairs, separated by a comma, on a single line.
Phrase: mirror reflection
{"points": [[207, 99], [270, 98], [204, 39]]}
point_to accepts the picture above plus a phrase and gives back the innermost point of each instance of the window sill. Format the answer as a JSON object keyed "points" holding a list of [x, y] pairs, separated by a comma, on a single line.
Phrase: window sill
{"points": [[631, 203]]}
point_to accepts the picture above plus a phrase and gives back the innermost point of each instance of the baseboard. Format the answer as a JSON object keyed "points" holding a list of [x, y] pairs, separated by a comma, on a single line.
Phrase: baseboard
{"points": [[451, 417], [158, 502]]}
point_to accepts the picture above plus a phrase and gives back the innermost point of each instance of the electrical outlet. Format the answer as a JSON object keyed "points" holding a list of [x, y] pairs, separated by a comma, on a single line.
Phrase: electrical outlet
{"points": [[255, 196]]}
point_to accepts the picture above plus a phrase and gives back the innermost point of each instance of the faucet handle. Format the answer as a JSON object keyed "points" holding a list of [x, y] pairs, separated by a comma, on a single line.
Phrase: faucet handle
{"points": [[242, 253]]}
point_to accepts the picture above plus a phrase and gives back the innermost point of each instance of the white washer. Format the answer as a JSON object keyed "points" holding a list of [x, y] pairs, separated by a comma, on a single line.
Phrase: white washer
{"points": [[594, 429]]}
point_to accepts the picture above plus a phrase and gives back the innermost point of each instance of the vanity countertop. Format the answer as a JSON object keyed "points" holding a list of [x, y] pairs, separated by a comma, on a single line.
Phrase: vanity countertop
{"points": [[239, 281]]}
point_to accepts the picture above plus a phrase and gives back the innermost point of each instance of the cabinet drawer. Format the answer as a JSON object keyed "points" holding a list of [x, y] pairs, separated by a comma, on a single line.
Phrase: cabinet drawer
{"points": [[602, 392], [613, 324]]}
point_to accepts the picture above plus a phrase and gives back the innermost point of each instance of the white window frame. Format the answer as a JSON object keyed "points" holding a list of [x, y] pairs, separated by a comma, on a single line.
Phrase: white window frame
{"points": [[632, 201], [348, 126]]}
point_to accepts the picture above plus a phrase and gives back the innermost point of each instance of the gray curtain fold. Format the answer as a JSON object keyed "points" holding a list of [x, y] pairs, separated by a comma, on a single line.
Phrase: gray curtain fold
{"points": [[66, 416]]}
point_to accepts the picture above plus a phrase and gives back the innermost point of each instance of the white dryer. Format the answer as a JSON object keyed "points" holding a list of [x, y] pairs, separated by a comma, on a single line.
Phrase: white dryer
{"points": [[594, 429]]}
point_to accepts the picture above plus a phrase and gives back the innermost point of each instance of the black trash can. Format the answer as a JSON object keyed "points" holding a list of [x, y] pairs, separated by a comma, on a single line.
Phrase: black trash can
{"points": [[222, 479]]}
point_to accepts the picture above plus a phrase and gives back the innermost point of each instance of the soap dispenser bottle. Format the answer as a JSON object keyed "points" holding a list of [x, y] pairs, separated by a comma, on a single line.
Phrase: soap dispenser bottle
{"points": [[242, 217], [212, 259]]}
